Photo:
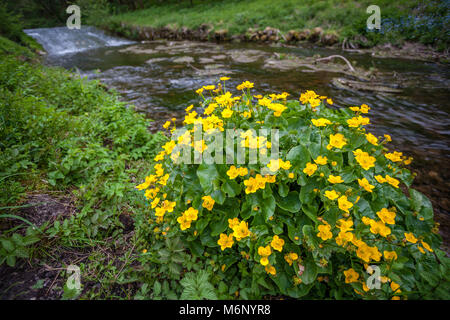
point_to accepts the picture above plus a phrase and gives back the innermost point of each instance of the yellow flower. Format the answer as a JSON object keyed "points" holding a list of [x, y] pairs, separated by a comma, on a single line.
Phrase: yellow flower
{"points": [[372, 139], [386, 216], [286, 165], [329, 101], [210, 87], [160, 156], [191, 214], [232, 223], [168, 147], [225, 241], [233, 172], [351, 275], [337, 140], [155, 202], [291, 257], [344, 204], [271, 270], [345, 225], [274, 165], [380, 228], [344, 237], [241, 231], [163, 180], [392, 181], [388, 138], [390, 255], [310, 168], [395, 286], [321, 160], [410, 237], [364, 108], [199, 91], [278, 108], [291, 175], [426, 246], [277, 243], [184, 223], [210, 109], [148, 181], [332, 195], [166, 125], [394, 156], [380, 179], [321, 122], [245, 85], [224, 78], [324, 232], [208, 202], [151, 193], [355, 109], [364, 160], [264, 251], [364, 183], [335, 179], [168, 205], [227, 113]]}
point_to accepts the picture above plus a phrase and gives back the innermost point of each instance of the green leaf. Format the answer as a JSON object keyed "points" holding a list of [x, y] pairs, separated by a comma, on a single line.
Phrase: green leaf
{"points": [[207, 173], [421, 204], [298, 156], [310, 273], [156, 288], [290, 203], [268, 207]]}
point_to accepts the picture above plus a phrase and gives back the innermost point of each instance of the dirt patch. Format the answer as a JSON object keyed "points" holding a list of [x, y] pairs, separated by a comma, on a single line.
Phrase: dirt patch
{"points": [[43, 208]]}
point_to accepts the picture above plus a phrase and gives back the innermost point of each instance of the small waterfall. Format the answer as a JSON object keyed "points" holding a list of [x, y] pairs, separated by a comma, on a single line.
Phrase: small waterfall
{"points": [[62, 40]]}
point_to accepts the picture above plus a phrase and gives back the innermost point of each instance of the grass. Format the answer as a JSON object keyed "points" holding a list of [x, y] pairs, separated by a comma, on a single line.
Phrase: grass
{"points": [[348, 18]]}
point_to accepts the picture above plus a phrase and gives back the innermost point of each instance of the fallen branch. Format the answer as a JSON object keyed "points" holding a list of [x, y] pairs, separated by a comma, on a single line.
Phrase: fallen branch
{"points": [[337, 56]]}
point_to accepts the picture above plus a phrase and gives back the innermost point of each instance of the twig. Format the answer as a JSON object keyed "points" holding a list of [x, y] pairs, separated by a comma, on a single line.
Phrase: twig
{"points": [[338, 56], [51, 286]]}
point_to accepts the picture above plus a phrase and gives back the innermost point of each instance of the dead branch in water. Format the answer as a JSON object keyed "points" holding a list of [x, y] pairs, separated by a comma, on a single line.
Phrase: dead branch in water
{"points": [[337, 56]]}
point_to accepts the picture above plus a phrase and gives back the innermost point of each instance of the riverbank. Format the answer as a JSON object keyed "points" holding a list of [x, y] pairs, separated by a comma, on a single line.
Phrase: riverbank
{"points": [[70, 156], [328, 23]]}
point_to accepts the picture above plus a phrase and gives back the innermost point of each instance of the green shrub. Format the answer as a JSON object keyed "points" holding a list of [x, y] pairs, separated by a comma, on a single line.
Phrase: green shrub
{"points": [[331, 208]]}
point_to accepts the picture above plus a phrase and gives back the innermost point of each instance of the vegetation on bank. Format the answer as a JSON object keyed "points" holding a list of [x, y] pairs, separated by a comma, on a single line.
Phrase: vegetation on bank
{"points": [[61, 135], [421, 21]]}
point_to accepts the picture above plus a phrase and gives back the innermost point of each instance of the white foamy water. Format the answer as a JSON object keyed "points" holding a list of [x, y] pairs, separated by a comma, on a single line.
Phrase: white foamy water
{"points": [[62, 40]]}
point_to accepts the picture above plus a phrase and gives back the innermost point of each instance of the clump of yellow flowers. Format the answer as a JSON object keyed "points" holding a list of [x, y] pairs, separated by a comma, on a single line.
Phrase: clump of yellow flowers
{"points": [[334, 203]]}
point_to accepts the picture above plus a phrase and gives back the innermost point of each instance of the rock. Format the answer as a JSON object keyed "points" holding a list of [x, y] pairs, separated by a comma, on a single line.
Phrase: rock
{"points": [[304, 34], [221, 35], [315, 35], [329, 39], [219, 57], [185, 59], [246, 56], [292, 36], [206, 60]]}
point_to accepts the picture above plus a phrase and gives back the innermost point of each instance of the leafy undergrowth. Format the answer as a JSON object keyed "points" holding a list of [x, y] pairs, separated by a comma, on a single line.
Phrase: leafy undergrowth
{"points": [[67, 140]]}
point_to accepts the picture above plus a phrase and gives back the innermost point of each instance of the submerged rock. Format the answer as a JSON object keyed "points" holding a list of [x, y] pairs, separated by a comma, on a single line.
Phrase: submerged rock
{"points": [[185, 59]]}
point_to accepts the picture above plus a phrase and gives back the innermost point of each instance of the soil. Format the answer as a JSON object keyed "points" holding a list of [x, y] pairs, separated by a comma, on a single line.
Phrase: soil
{"points": [[44, 279]]}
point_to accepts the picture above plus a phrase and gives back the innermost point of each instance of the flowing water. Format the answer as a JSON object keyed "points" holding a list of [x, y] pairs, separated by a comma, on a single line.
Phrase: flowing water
{"points": [[160, 78]]}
